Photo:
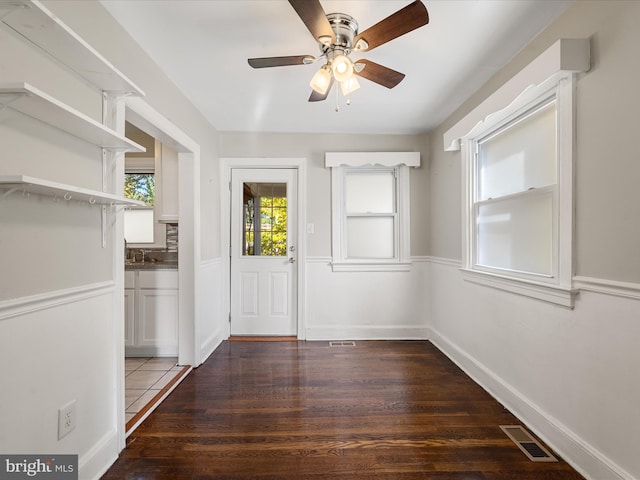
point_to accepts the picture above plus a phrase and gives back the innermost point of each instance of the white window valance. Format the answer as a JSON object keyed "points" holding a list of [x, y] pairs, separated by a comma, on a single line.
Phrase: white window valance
{"points": [[566, 55], [362, 159]]}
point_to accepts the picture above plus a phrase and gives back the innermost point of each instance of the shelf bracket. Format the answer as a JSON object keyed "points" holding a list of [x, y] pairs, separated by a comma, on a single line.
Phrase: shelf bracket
{"points": [[104, 169], [8, 192]]}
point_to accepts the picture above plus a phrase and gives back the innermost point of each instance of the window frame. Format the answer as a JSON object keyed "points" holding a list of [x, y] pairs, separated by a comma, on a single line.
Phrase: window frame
{"points": [[557, 287], [398, 163], [148, 166]]}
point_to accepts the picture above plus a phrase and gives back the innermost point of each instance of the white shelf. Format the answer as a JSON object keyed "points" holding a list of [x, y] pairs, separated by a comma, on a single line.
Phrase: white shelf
{"points": [[33, 21], [37, 186], [27, 99]]}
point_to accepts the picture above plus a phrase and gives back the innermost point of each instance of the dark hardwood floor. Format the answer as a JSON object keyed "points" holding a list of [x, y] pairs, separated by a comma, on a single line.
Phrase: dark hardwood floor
{"points": [[304, 410]]}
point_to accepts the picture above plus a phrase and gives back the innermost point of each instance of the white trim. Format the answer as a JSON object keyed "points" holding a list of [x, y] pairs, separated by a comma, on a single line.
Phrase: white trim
{"points": [[608, 287], [363, 159], [95, 463], [450, 262], [226, 165], [34, 303], [586, 459], [157, 404], [540, 291], [325, 260], [569, 55], [368, 332], [210, 262], [370, 267]]}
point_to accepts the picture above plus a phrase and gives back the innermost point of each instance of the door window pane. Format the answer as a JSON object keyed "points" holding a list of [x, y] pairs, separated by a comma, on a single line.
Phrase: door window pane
{"points": [[265, 219], [370, 237]]}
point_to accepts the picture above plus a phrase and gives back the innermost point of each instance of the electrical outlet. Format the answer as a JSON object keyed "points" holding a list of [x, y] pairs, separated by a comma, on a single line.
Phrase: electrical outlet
{"points": [[66, 418]]}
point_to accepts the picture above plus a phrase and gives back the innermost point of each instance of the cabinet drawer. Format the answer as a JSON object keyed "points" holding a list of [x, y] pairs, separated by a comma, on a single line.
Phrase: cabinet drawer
{"points": [[158, 279]]}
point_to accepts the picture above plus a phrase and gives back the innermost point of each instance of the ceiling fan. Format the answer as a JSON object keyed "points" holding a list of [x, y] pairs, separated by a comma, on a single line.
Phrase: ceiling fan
{"points": [[337, 35]]}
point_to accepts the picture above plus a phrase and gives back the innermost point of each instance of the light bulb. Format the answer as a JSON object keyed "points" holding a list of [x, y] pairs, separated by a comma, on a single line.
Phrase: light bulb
{"points": [[342, 68], [321, 80]]}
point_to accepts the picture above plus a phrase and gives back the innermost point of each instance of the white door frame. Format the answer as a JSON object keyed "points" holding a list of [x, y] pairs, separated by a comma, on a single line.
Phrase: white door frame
{"points": [[226, 165], [140, 113]]}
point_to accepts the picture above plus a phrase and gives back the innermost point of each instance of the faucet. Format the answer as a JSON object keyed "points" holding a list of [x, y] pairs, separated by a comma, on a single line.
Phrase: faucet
{"points": [[143, 251]]}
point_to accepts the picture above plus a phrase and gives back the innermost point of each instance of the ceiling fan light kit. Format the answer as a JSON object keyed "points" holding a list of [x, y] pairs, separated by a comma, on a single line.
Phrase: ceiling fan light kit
{"points": [[337, 36]]}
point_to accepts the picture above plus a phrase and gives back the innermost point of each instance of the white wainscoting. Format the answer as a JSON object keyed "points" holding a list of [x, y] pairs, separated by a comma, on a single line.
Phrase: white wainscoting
{"points": [[566, 374], [62, 345], [365, 305], [212, 329]]}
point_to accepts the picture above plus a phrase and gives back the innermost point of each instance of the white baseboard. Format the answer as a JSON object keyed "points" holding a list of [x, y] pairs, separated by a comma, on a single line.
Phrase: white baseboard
{"points": [[589, 462], [210, 344], [97, 461], [395, 332]]}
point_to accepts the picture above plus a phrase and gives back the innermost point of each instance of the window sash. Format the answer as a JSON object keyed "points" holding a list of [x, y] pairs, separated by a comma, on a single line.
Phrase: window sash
{"points": [[519, 249], [366, 245]]}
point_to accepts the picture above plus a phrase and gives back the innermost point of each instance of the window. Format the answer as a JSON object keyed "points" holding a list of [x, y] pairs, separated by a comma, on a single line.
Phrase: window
{"points": [[519, 191], [370, 208], [138, 221], [265, 219], [515, 205]]}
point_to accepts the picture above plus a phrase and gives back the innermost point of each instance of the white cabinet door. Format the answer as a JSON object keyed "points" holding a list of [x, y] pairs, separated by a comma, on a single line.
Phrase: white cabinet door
{"points": [[167, 186], [158, 320], [129, 317]]}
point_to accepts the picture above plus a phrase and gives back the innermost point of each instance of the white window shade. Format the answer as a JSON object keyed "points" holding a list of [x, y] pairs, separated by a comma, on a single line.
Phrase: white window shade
{"points": [[138, 225], [520, 157], [370, 192]]}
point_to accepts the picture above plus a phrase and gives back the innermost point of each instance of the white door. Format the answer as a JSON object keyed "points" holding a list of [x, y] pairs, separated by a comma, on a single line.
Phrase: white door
{"points": [[263, 251]]}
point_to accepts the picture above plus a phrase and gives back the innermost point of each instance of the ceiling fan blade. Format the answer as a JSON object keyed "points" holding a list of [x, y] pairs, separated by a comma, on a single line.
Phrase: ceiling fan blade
{"points": [[405, 20], [319, 97], [379, 74], [313, 16], [281, 61]]}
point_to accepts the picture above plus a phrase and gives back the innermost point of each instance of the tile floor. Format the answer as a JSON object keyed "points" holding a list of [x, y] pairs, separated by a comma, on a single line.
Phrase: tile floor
{"points": [[144, 378]]}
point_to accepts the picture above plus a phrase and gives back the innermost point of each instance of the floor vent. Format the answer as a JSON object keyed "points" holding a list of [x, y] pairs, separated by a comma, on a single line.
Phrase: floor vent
{"points": [[342, 344], [529, 445]]}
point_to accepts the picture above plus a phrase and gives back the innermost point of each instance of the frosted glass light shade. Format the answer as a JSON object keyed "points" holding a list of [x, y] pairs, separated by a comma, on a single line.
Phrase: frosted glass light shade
{"points": [[349, 86], [321, 81], [342, 68]]}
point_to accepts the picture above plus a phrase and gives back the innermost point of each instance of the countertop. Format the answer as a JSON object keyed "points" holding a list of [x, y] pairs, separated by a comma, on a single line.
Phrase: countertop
{"points": [[151, 266]]}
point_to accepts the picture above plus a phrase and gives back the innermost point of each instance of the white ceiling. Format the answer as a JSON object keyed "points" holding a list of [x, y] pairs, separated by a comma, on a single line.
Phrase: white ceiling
{"points": [[203, 46]]}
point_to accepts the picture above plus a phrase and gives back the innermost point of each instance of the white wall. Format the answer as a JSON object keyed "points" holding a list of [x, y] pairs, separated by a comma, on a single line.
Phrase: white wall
{"points": [[570, 374], [60, 318], [349, 305]]}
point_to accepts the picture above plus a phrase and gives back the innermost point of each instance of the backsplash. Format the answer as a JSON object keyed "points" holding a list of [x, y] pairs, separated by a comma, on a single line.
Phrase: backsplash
{"points": [[160, 255]]}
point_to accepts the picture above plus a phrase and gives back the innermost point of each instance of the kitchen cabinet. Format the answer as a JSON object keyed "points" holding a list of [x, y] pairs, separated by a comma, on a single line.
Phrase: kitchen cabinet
{"points": [[151, 313], [167, 185]]}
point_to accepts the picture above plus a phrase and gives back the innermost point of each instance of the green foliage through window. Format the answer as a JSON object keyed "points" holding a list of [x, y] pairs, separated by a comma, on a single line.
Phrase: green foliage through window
{"points": [[140, 186], [268, 236]]}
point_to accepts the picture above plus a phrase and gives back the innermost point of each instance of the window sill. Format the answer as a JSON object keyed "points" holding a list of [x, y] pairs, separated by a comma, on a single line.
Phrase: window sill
{"points": [[370, 267], [547, 293]]}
